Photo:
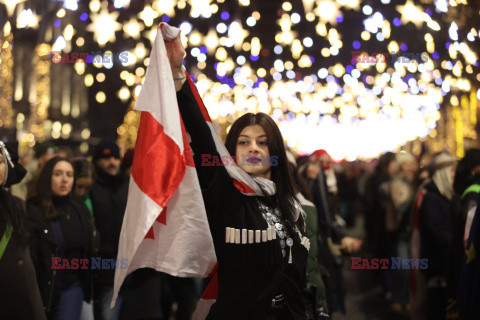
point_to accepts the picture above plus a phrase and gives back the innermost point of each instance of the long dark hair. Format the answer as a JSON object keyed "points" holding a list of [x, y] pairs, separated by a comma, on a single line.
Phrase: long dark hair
{"points": [[301, 183], [12, 210], [280, 174], [44, 188], [384, 162]]}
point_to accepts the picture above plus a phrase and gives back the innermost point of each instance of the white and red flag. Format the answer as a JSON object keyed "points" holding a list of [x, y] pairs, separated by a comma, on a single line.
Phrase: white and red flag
{"points": [[165, 225]]}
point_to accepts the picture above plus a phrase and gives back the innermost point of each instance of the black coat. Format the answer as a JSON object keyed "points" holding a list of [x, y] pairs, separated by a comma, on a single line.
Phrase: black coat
{"points": [[19, 295], [109, 199], [249, 275], [463, 205], [43, 246], [435, 231]]}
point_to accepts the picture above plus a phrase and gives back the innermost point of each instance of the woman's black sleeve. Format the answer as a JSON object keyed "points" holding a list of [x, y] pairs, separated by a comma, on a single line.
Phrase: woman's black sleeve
{"points": [[33, 228], [202, 143]]}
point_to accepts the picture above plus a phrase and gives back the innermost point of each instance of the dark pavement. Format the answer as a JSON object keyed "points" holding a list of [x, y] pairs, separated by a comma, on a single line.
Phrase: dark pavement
{"points": [[364, 295]]}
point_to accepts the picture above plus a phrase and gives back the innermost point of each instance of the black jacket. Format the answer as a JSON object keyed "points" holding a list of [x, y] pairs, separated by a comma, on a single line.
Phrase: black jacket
{"points": [[109, 198], [249, 275], [19, 295], [44, 246], [463, 205], [435, 231]]}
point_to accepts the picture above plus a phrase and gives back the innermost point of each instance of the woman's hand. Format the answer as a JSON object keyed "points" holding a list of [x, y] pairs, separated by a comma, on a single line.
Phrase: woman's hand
{"points": [[350, 244], [176, 53]]}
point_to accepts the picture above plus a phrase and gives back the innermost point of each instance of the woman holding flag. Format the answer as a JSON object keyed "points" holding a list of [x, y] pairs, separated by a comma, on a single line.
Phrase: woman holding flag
{"points": [[256, 222]]}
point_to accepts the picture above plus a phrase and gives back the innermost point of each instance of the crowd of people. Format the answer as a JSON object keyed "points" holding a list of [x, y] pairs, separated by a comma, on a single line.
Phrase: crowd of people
{"points": [[74, 209], [424, 213], [61, 210], [71, 208]]}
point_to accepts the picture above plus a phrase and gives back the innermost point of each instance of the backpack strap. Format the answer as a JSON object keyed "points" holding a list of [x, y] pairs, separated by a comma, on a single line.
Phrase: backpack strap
{"points": [[475, 188], [5, 239]]}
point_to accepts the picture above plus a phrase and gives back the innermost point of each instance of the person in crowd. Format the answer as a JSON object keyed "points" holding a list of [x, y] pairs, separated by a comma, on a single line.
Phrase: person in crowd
{"points": [[141, 293], [332, 232], [85, 175], [423, 177], [398, 207], [436, 232], [65, 152], [417, 282], [261, 280], [379, 203], [322, 158], [467, 187], [467, 190], [468, 295], [19, 297], [108, 195], [26, 157], [60, 241], [26, 188], [317, 297], [348, 191]]}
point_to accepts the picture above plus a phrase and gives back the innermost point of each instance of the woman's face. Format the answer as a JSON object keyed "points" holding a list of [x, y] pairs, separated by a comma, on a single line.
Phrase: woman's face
{"points": [[252, 154], [313, 170], [409, 168], [393, 168], [62, 179], [2, 168]]}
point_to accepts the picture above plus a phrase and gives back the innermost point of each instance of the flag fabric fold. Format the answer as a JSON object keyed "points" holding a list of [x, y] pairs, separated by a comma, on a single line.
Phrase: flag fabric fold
{"points": [[165, 225]]}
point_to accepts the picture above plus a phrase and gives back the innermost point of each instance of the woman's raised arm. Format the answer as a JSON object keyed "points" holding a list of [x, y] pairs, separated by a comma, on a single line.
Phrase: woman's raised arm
{"points": [[176, 53]]}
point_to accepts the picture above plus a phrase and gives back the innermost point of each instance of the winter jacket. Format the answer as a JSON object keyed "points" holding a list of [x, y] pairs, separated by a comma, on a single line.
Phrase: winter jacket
{"points": [[19, 295], [109, 199], [249, 275], [435, 231], [44, 245]]}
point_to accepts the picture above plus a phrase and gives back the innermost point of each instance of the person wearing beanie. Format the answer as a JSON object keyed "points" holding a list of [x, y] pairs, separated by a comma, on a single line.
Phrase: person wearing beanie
{"points": [[323, 158], [436, 233], [19, 294], [109, 199]]}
